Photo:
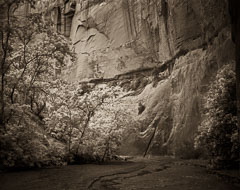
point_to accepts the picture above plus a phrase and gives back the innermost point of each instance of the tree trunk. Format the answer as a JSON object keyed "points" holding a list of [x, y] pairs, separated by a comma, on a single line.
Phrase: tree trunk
{"points": [[4, 46], [154, 125], [105, 152]]}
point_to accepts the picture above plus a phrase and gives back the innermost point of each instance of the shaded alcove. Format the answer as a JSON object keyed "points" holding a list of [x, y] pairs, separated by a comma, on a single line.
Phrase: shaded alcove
{"points": [[69, 10], [67, 25], [59, 19]]}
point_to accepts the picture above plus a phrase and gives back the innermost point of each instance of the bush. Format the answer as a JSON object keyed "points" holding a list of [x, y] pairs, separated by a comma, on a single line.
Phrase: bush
{"points": [[26, 147], [218, 132]]}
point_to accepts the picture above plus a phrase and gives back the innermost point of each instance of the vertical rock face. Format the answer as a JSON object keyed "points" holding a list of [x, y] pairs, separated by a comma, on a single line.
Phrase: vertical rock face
{"points": [[115, 36], [112, 37]]}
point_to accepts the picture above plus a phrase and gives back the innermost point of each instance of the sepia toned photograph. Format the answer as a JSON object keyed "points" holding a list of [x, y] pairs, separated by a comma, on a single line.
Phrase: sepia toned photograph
{"points": [[119, 94]]}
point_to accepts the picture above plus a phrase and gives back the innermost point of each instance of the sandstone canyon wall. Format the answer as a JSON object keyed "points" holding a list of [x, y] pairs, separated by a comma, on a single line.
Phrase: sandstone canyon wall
{"points": [[192, 38]]}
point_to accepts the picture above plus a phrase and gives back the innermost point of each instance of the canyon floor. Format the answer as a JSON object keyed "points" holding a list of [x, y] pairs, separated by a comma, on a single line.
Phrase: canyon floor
{"points": [[149, 173]]}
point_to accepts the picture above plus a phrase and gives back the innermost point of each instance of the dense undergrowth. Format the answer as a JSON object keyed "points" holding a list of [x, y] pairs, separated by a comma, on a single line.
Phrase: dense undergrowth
{"points": [[218, 133], [217, 138]]}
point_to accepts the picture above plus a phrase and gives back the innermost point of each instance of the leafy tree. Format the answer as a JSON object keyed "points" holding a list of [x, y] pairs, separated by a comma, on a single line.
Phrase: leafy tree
{"points": [[218, 132], [45, 119], [89, 122], [7, 30], [110, 124], [31, 55]]}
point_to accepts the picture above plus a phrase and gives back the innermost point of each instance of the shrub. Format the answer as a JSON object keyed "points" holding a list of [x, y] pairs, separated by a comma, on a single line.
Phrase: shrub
{"points": [[218, 133], [27, 147]]}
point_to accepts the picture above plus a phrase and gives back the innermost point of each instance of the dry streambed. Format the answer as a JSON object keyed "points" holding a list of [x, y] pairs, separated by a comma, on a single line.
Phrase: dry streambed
{"points": [[153, 173]]}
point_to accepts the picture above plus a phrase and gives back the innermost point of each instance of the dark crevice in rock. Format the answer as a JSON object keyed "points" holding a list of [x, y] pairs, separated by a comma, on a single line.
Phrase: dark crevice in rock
{"points": [[90, 37], [165, 14], [125, 6]]}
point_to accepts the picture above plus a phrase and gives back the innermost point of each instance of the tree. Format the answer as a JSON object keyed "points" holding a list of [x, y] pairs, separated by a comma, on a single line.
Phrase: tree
{"points": [[31, 53], [87, 119], [8, 22], [218, 132], [110, 124]]}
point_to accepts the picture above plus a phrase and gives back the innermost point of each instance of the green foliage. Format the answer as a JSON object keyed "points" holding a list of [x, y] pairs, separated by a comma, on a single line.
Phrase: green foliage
{"points": [[218, 132]]}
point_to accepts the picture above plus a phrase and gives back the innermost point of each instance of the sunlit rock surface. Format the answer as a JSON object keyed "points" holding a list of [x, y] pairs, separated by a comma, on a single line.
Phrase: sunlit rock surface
{"points": [[191, 37], [177, 101], [116, 36]]}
